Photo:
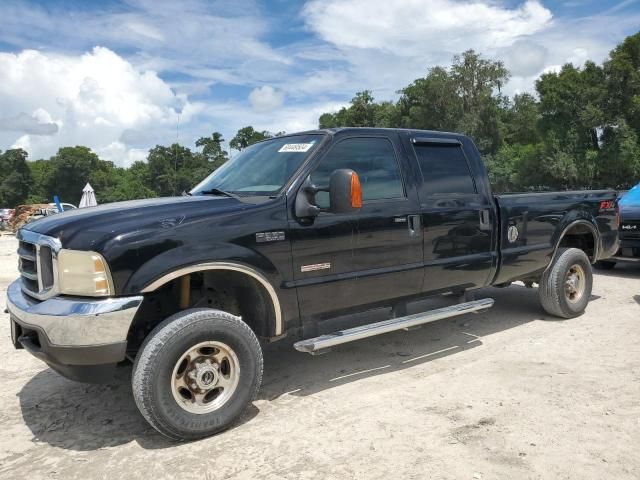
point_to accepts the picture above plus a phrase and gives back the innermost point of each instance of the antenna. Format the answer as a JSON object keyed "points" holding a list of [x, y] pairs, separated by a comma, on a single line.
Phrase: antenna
{"points": [[175, 156]]}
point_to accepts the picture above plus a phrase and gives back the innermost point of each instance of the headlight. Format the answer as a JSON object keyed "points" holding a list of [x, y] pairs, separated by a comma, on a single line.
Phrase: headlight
{"points": [[83, 273]]}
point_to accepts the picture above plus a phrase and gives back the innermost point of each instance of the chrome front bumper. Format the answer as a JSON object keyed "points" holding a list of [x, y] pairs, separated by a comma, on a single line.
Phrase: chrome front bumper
{"points": [[74, 321]]}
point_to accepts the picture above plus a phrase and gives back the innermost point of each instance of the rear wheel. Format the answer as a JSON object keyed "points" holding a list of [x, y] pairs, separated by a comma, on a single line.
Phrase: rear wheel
{"points": [[566, 286], [196, 373]]}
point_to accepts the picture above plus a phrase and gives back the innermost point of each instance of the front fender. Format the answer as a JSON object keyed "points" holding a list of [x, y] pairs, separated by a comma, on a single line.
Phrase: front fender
{"points": [[183, 256]]}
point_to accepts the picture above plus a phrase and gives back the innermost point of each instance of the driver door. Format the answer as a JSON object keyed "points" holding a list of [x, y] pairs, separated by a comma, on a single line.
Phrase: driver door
{"points": [[344, 261]]}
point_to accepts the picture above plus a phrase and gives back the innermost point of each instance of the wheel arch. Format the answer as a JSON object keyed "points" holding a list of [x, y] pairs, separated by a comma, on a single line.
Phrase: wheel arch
{"points": [[225, 266], [582, 234], [231, 273]]}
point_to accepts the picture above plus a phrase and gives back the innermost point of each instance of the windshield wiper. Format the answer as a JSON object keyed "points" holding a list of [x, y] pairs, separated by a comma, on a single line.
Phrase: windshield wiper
{"points": [[217, 191]]}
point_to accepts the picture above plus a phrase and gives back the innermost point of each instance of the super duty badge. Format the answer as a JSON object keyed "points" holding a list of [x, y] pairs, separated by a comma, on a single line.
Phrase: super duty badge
{"points": [[263, 237]]}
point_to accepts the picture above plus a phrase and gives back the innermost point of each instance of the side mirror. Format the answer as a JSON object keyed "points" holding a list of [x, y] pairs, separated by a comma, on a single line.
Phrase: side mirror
{"points": [[345, 195], [345, 191]]}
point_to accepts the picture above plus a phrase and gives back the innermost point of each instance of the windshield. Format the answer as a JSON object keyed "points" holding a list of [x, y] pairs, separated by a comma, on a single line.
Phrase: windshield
{"points": [[261, 169]]}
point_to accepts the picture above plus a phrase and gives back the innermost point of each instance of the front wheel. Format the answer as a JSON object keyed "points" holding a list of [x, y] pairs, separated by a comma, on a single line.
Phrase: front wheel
{"points": [[565, 287], [196, 373]]}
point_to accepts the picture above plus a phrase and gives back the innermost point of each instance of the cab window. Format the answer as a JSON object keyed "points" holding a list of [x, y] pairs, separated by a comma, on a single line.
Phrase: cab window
{"points": [[373, 159], [444, 169]]}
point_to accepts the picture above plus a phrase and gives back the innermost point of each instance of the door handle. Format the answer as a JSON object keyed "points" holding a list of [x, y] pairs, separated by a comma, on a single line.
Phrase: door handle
{"points": [[485, 219], [413, 223]]}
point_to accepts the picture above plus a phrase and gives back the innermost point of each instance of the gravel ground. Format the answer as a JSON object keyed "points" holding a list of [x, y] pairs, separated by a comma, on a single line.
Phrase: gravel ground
{"points": [[510, 393]]}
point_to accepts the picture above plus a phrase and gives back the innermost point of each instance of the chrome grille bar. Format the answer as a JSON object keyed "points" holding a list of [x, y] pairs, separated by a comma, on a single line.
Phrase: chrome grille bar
{"points": [[26, 273], [25, 252], [38, 263]]}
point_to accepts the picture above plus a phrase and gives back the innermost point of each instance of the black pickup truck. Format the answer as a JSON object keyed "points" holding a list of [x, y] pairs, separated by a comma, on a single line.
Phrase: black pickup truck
{"points": [[290, 233]]}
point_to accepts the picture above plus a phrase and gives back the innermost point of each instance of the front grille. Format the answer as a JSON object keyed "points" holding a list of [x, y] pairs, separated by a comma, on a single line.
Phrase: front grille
{"points": [[28, 266], [46, 267], [37, 263]]}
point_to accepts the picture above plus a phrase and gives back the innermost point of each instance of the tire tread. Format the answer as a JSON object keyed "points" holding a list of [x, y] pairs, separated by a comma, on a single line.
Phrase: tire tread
{"points": [[153, 344], [551, 284]]}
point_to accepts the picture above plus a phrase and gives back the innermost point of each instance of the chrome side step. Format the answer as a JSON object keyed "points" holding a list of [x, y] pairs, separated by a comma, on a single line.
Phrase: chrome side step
{"points": [[623, 259], [323, 342]]}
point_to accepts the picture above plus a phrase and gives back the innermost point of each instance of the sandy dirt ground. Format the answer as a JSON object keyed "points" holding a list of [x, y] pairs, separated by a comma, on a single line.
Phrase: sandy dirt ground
{"points": [[509, 394]]}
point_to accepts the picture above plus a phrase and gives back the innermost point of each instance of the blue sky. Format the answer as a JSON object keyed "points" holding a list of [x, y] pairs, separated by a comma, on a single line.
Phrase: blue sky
{"points": [[122, 76]]}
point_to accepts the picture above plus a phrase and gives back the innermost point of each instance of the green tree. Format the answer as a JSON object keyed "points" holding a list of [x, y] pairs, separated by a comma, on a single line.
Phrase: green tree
{"points": [[212, 150], [41, 170], [362, 111], [619, 159], [248, 136], [571, 104], [175, 169], [517, 168], [71, 169], [581, 130], [478, 82], [477, 79], [520, 120], [622, 71], [130, 183], [15, 177], [431, 103], [464, 98]]}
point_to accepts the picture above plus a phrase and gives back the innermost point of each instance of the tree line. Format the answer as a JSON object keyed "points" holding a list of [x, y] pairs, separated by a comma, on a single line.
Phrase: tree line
{"points": [[580, 129], [168, 170]]}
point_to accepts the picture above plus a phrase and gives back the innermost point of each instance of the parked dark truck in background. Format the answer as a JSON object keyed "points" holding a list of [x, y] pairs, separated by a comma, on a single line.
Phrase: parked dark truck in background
{"points": [[629, 230], [290, 233]]}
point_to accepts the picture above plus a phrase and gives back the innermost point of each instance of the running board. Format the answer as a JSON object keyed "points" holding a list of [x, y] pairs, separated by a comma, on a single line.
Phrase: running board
{"points": [[323, 342], [623, 259]]}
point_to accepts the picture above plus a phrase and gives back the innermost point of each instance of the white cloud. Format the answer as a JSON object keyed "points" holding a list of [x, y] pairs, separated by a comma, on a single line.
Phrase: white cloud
{"points": [[406, 27], [574, 40], [118, 105], [162, 35], [123, 152], [145, 30], [92, 99], [289, 118], [386, 45], [265, 99], [524, 58], [38, 123]]}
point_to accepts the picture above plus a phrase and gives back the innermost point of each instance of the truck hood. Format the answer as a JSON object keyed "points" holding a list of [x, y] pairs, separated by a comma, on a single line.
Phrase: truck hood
{"points": [[88, 228]]}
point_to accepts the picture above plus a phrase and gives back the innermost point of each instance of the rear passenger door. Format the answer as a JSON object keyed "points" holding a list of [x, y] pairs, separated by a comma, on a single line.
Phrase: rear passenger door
{"points": [[456, 216]]}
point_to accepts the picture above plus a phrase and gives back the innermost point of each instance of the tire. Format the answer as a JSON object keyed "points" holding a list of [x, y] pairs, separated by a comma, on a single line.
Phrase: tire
{"points": [[162, 384], [555, 291], [605, 265]]}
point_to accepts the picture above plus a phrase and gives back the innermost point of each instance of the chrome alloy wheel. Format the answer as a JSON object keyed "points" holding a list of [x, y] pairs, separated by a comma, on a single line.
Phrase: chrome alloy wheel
{"points": [[575, 283], [205, 377]]}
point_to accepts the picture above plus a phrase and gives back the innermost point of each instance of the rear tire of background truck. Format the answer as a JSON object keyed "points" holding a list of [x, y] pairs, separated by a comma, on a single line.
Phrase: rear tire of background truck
{"points": [[196, 373], [565, 287], [605, 265]]}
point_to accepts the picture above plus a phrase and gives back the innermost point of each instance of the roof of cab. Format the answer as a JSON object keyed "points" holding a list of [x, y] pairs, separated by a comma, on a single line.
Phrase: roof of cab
{"points": [[408, 131]]}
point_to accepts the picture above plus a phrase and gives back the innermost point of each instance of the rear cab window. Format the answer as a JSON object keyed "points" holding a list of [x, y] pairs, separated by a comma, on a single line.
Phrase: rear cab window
{"points": [[444, 168]]}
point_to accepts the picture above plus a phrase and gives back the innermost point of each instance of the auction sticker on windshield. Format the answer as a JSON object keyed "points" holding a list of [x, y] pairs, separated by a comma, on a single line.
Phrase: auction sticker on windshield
{"points": [[296, 147]]}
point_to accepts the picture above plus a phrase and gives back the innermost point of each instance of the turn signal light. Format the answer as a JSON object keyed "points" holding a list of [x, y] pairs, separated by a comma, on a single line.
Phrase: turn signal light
{"points": [[356, 191]]}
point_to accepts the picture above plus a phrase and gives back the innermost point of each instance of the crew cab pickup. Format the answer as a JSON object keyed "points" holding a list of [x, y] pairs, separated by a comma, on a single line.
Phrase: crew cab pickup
{"points": [[290, 233]]}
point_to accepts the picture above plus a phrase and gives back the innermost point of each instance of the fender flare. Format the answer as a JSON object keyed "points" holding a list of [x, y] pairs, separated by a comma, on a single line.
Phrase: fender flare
{"points": [[228, 266], [582, 222]]}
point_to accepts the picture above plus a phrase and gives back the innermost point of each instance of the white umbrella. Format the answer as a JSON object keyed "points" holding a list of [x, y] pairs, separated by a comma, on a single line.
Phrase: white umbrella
{"points": [[88, 197]]}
